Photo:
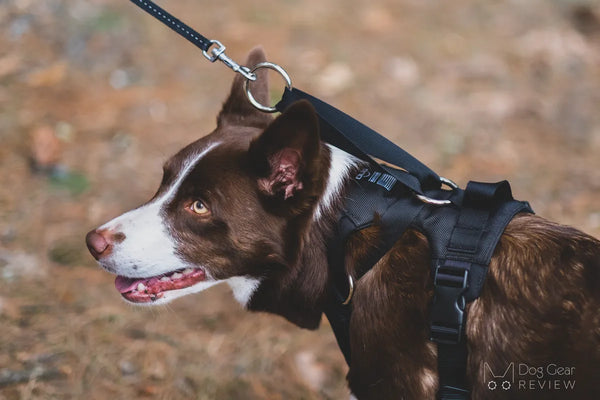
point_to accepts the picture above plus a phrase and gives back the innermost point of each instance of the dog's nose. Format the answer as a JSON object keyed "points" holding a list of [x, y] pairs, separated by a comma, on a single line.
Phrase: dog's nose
{"points": [[97, 243]]}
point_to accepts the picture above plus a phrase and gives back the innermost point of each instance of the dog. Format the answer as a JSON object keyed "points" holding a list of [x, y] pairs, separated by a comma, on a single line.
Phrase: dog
{"points": [[252, 205]]}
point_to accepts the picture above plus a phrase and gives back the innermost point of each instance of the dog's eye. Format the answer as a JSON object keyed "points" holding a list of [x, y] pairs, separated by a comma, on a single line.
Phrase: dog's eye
{"points": [[199, 208]]}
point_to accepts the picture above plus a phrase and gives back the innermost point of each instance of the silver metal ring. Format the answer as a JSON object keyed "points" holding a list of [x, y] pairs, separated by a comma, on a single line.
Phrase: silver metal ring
{"points": [[274, 67], [429, 200], [448, 183], [350, 290]]}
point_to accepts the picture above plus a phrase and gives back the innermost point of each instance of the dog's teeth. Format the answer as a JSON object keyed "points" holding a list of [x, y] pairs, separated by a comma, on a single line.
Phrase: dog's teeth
{"points": [[176, 275], [141, 287], [165, 279], [188, 271]]}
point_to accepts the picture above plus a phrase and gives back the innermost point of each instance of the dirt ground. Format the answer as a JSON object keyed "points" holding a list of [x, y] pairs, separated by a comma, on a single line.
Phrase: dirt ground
{"points": [[95, 95]]}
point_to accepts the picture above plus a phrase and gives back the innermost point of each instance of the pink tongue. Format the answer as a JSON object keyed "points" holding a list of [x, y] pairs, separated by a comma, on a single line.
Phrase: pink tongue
{"points": [[125, 285]]}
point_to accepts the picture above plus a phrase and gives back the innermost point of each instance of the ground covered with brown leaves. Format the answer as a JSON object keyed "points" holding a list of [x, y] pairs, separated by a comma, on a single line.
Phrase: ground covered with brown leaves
{"points": [[95, 95]]}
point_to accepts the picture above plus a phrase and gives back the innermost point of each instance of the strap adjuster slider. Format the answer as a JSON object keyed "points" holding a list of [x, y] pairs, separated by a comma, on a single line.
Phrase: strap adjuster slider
{"points": [[447, 310]]}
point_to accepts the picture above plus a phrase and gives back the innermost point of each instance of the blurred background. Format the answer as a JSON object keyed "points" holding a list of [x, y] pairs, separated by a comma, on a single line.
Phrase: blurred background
{"points": [[95, 95]]}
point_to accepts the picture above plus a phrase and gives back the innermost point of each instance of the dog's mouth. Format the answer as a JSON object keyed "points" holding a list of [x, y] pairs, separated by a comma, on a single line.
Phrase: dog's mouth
{"points": [[145, 290]]}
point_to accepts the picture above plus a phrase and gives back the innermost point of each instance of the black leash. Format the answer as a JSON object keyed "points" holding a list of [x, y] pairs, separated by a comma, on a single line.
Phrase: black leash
{"points": [[172, 22], [192, 36]]}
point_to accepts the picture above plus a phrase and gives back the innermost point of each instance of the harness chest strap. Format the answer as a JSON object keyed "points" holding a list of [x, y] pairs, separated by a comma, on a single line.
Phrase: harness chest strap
{"points": [[370, 193]]}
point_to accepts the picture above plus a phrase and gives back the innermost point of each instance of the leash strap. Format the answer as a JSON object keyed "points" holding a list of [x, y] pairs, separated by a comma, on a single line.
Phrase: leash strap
{"points": [[175, 24], [204, 44], [348, 134]]}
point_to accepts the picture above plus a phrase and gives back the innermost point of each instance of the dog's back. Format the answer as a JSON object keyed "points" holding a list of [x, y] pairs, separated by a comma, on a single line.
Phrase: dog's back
{"points": [[533, 333]]}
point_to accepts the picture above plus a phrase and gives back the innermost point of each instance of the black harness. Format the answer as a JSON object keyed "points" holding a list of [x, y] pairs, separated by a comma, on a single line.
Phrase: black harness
{"points": [[462, 226]]}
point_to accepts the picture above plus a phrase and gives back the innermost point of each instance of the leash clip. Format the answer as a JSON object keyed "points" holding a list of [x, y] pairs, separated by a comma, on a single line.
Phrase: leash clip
{"points": [[218, 53]]}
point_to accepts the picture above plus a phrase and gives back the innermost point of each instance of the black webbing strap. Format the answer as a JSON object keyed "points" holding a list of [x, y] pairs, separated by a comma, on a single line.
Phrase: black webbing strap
{"points": [[175, 24], [348, 134], [452, 371], [397, 209], [459, 274]]}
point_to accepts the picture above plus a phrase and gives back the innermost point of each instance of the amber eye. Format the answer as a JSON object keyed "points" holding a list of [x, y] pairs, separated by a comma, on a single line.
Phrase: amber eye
{"points": [[199, 208]]}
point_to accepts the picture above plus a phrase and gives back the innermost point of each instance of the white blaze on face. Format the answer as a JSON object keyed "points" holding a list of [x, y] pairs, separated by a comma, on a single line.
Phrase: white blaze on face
{"points": [[148, 249]]}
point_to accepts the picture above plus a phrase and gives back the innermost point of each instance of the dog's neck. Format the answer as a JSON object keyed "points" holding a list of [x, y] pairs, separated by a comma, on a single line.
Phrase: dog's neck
{"points": [[299, 292], [341, 164]]}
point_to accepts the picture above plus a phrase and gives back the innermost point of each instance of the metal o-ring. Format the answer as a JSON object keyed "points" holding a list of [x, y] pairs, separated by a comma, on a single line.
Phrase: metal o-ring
{"points": [[274, 67], [350, 290]]}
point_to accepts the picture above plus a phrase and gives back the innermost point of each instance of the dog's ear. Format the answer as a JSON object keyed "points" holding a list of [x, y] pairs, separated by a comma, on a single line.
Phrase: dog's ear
{"points": [[237, 110], [286, 156]]}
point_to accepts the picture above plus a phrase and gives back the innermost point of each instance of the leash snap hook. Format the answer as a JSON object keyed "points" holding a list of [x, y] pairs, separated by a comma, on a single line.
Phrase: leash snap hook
{"points": [[218, 53], [274, 67]]}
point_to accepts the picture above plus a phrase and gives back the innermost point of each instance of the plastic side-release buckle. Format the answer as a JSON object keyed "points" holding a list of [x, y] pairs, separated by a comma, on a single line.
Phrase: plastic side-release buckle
{"points": [[448, 308]]}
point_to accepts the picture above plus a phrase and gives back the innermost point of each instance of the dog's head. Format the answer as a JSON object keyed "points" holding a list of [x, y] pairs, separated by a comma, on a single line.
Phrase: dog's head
{"points": [[231, 206]]}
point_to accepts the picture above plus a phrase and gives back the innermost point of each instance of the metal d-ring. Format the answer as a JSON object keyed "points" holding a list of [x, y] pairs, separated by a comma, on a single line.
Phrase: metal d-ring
{"points": [[350, 290], [448, 182], [436, 202], [274, 67]]}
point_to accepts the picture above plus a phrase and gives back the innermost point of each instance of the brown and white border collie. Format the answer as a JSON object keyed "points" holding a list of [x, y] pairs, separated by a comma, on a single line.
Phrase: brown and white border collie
{"points": [[252, 205]]}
